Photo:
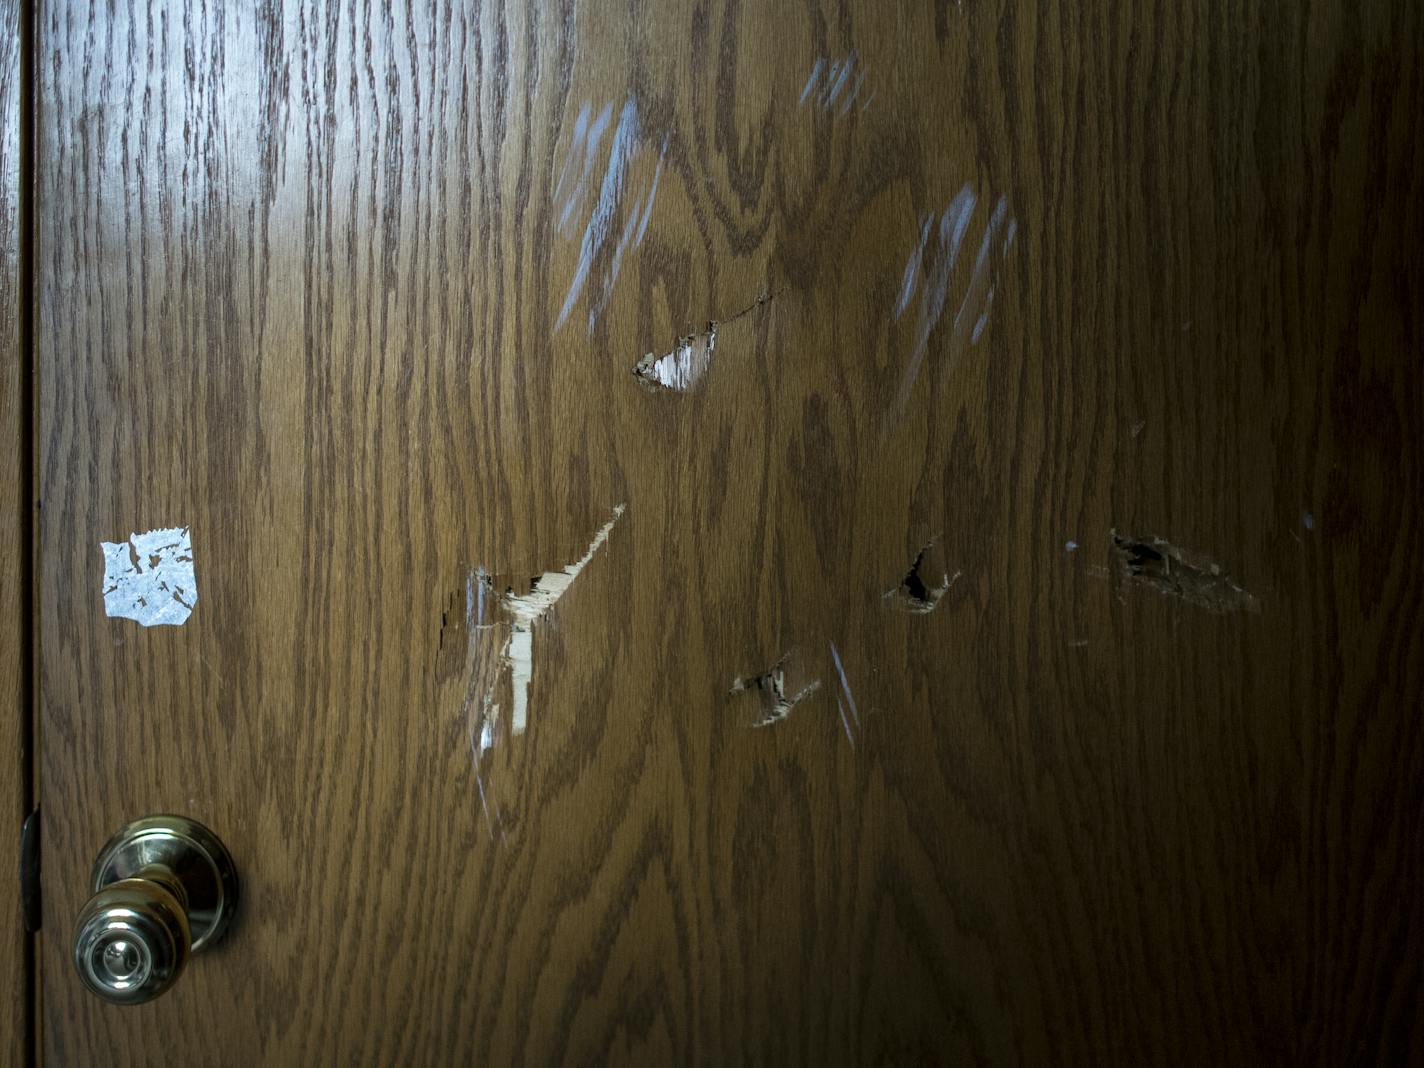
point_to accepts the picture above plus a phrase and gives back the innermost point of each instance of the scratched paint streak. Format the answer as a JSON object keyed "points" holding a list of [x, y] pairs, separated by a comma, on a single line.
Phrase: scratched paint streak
{"points": [[624, 240], [480, 723], [834, 89], [150, 577], [979, 280], [583, 152], [830, 82], [626, 147], [931, 287], [577, 153], [845, 685], [478, 748], [596, 233], [652, 194], [638, 215], [912, 268], [952, 225], [983, 317], [815, 77], [840, 707], [854, 91]]}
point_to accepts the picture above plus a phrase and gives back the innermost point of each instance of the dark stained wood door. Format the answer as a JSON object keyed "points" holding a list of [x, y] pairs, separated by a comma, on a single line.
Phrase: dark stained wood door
{"points": [[720, 532]]}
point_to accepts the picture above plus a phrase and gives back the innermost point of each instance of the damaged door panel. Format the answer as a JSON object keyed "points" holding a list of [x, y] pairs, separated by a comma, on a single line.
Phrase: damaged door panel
{"points": [[735, 532]]}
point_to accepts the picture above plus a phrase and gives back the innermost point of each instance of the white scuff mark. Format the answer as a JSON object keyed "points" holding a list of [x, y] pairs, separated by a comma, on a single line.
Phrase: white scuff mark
{"points": [[528, 609], [1070, 546], [150, 577], [829, 81], [683, 367], [627, 146], [933, 292], [1307, 520]]}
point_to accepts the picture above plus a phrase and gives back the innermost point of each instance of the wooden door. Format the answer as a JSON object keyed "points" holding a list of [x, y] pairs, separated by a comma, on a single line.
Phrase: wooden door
{"points": [[16, 758], [786, 533]]}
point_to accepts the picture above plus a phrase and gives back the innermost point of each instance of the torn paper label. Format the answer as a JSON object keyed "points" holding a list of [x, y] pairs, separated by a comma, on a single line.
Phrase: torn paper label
{"points": [[149, 578]]}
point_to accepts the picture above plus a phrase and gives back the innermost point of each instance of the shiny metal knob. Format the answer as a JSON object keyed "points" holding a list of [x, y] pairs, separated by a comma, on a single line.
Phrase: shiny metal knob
{"points": [[164, 889]]}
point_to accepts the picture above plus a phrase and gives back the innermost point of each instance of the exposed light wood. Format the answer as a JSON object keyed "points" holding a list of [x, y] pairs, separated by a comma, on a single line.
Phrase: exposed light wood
{"points": [[14, 513], [300, 275]]}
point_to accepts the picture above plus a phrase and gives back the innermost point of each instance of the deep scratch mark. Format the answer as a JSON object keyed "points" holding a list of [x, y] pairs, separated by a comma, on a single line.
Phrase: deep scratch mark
{"points": [[776, 701], [925, 584], [687, 364]]}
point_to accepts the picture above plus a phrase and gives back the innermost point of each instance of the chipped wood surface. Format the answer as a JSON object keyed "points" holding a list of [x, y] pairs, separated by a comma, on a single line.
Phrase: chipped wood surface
{"points": [[355, 296]]}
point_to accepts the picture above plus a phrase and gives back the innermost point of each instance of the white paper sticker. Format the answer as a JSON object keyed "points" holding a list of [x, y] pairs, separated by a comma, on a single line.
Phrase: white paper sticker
{"points": [[149, 578]]}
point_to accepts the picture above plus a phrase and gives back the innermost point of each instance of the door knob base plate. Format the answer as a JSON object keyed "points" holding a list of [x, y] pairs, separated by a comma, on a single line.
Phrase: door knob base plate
{"points": [[188, 849]]}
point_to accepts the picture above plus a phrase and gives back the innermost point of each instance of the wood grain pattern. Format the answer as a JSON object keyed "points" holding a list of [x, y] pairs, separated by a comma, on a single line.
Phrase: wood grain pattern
{"points": [[14, 515], [304, 284]]}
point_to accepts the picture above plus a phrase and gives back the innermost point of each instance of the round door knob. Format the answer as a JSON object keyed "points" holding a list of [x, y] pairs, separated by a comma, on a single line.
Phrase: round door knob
{"points": [[133, 938], [164, 889]]}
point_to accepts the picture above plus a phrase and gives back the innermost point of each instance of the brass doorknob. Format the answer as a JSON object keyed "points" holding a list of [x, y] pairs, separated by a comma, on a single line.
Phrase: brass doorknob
{"points": [[164, 889]]}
